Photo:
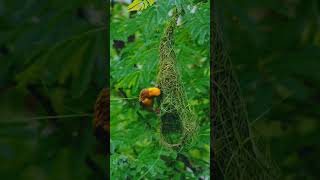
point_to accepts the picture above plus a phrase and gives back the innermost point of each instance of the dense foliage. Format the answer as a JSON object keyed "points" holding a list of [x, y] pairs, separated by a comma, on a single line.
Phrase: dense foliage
{"points": [[274, 46], [135, 38], [52, 67]]}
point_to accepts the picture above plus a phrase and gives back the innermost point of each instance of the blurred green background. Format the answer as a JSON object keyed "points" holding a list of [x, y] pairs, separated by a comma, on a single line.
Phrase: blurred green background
{"points": [[52, 67], [275, 48], [135, 39]]}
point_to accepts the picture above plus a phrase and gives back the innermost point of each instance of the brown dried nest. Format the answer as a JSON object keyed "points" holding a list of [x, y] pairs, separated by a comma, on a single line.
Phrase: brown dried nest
{"points": [[102, 116]]}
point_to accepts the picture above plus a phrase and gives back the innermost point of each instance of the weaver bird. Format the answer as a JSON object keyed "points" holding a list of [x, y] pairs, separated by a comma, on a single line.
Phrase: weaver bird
{"points": [[146, 98]]}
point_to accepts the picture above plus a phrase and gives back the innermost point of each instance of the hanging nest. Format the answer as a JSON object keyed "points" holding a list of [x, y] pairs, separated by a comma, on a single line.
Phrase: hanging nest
{"points": [[238, 151], [178, 122], [101, 120]]}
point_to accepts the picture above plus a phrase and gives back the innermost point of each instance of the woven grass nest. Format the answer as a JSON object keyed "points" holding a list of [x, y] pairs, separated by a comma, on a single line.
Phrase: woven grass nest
{"points": [[178, 121]]}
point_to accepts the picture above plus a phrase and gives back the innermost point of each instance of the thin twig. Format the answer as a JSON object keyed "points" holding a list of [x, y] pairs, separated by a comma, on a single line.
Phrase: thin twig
{"points": [[54, 117], [151, 166], [269, 109], [119, 99]]}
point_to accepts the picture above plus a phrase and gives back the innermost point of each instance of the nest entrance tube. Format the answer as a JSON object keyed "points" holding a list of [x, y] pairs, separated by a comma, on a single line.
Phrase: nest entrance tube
{"points": [[171, 128], [178, 122]]}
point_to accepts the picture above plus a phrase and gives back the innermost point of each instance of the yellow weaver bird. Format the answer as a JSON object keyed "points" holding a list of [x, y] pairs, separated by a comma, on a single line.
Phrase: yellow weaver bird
{"points": [[146, 98]]}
